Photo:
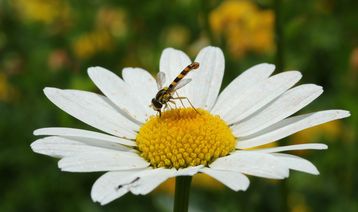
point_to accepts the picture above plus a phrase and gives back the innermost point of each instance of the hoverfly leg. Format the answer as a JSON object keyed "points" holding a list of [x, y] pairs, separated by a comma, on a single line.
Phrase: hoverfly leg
{"points": [[191, 104], [166, 105], [175, 105], [183, 97], [180, 99]]}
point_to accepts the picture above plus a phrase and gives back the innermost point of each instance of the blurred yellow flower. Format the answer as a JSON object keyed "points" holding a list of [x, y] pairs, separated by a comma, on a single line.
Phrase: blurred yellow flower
{"points": [[42, 11], [110, 24], [352, 77], [300, 208], [176, 36], [7, 92], [354, 59], [297, 203], [113, 20], [244, 26], [91, 43]]}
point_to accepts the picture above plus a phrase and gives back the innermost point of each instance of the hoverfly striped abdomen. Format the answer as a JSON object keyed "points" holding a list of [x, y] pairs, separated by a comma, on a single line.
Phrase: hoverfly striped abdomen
{"points": [[182, 74]]}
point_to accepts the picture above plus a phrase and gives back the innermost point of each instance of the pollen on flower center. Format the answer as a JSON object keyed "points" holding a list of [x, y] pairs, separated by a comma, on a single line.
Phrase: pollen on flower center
{"points": [[184, 137]]}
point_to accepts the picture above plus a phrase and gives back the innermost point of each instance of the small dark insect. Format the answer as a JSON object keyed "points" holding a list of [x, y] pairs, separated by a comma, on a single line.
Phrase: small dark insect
{"points": [[165, 94], [133, 181]]}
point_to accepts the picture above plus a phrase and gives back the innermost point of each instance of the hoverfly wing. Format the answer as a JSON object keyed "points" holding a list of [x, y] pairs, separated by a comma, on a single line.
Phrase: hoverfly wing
{"points": [[160, 80], [182, 83]]}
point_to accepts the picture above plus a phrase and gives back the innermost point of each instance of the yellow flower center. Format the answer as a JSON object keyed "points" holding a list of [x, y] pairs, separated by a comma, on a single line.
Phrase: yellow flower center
{"points": [[184, 137]]}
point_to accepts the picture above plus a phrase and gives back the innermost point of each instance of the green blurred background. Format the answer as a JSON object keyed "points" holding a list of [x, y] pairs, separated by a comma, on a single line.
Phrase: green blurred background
{"points": [[51, 43]]}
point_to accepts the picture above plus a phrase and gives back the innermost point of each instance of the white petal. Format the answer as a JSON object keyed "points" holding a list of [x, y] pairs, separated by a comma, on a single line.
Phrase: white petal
{"points": [[252, 163], [253, 99], [92, 109], [234, 180], [143, 85], [297, 163], [190, 171], [172, 62], [112, 185], [285, 105], [63, 147], [293, 147], [149, 180], [83, 134], [207, 79], [244, 81], [118, 92], [102, 161], [289, 126]]}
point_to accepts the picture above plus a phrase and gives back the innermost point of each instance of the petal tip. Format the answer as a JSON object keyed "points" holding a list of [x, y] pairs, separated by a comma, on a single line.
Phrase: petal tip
{"points": [[213, 49], [313, 170], [315, 173], [35, 132], [91, 69], [49, 90], [324, 146], [347, 113], [60, 165], [343, 113], [33, 146], [170, 50], [94, 70], [297, 73], [270, 65], [245, 187]]}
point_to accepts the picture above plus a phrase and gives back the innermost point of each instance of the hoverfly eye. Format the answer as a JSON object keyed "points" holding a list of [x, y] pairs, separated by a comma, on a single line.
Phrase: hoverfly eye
{"points": [[156, 103]]}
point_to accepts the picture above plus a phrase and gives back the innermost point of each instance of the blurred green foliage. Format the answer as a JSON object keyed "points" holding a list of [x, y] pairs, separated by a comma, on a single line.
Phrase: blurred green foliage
{"points": [[51, 43]]}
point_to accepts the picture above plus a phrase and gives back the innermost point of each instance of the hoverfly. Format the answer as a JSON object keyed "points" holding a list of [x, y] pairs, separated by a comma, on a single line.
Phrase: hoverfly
{"points": [[165, 94]]}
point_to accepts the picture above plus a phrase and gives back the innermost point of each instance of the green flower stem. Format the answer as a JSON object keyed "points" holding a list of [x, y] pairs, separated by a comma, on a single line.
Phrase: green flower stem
{"points": [[280, 65], [182, 191], [279, 36]]}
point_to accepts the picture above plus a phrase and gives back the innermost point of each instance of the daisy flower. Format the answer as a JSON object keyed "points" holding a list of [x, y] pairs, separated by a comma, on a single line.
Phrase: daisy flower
{"points": [[222, 138]]}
